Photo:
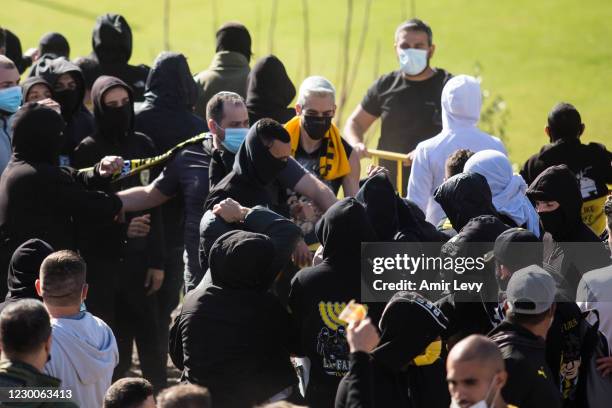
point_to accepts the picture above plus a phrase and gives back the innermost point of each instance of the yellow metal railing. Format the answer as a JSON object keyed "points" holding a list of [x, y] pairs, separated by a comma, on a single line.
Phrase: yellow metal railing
{"points": [[400, 160]]}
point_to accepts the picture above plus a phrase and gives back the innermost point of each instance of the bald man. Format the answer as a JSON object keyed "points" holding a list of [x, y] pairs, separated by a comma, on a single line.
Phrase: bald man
{"points": [[476, 374]]}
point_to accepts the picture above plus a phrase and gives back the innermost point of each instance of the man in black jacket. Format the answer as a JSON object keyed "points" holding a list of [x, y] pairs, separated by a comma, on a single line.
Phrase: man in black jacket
{"points": [[111, 41], [530, 309], [232, 335], [38, 199], [125, 264], [575, 249], [590, 163]]}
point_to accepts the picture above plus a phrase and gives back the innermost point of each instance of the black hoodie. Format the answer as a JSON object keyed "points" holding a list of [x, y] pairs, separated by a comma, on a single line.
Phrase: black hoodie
{"points": [[465, 196], [233, 336], [38, 199], [386, 378], [255, 168], [79, 121], [50, 46], [111, 41], [167, 118], [566, 260], [109, 140], [319, 293], [14, 52], [269, 91], [530, 382], [24, 269]]}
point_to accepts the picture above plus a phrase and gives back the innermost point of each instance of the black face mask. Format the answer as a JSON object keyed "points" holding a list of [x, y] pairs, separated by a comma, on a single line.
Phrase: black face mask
{"points": [[316, 126], [554, 222], [116, 121], [68, 100], [268, 171]]}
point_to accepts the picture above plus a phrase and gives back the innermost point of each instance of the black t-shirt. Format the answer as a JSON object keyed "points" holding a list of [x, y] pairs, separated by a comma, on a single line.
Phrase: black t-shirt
{"points": [[410, 110]]}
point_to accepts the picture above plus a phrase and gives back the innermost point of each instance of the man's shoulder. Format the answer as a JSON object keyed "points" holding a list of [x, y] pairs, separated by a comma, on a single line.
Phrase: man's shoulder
{"points": [[599, 278]]}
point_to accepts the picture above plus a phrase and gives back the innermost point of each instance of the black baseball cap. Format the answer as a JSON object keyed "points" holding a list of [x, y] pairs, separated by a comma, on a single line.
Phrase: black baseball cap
{"points": [[516, 248]]}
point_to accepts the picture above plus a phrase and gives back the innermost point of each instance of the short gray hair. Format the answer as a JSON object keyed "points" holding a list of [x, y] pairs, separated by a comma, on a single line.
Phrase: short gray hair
{"points": [[315, 85]]}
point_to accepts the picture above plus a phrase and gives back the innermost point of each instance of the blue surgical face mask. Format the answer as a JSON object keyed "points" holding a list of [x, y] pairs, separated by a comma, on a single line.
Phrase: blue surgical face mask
{"points": [[10, 99], [234, 138], [413, 61]]}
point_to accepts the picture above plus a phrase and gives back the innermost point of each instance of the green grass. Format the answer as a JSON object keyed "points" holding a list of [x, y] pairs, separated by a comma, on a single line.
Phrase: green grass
{"points": [[534, 53]]}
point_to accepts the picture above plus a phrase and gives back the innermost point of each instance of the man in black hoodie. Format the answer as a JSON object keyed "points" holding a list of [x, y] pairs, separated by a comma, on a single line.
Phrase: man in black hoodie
{"points": [[394, 374], [233, 336], [111, 41], [590, 163], [530, 309], [575, 249], [269, 91], [319, 293], [125, 264], [50, 46], [68, 86], [38, 199], [24, 269]]}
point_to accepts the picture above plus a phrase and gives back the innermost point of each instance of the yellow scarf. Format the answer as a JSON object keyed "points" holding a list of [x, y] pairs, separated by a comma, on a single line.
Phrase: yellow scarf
{"points": [[334, 163]]}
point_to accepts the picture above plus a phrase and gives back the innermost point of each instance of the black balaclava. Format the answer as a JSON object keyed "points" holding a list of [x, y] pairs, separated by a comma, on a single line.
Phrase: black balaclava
{"points": [[111, 39], [465, 196], [170, 84], [54, 43], [269, 87], [24, 269], [234, 37], [408, 325], [30, 82], [70, 100], [558, 183], [242, 260], [113, 124], [254, 160], [37, 134], [380, 201]]}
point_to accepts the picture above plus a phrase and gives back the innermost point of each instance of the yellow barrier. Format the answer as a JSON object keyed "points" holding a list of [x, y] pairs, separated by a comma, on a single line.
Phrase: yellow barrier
{"points": [[400, 160]]}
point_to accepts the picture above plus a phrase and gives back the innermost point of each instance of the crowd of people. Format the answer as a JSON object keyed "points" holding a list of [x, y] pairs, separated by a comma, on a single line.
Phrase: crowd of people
{"points": [[239, 229]]}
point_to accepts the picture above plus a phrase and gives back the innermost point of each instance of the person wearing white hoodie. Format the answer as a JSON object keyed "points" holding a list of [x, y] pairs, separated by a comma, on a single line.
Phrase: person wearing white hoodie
{"points": [[461, 103], [83, 351]]}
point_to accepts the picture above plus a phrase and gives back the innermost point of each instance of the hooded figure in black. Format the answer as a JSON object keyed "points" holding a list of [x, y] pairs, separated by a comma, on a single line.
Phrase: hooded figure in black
{"points": [[565, 261], [472, 312], [122, 302], [79, 121], [255, 168], [269, 91], [233, 336], [38, 199], [29, 83], [388, 377], [465, 196], [50, 46], [111, 41], [320, 292], [13, 51], [24, 270]]}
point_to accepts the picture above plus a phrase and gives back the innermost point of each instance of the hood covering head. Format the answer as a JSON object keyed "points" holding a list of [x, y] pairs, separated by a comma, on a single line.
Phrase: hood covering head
{"points": [[408, 325], [170, 84], [558, 183], [13, 50], [254, 160], [242, 260], [380, 201], [413, 227], [37, 134], [461, 103], [269, 87], [342, 229], [54, 43], [24, 269], [463, 197], [113, 124], [234, 37], [508, 189], [30, 82], [51, 72], [111, 39]]}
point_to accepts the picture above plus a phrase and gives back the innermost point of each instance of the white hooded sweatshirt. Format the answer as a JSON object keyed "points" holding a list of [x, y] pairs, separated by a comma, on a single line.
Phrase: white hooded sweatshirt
{"points": [[461, 103], [83, 355]]}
